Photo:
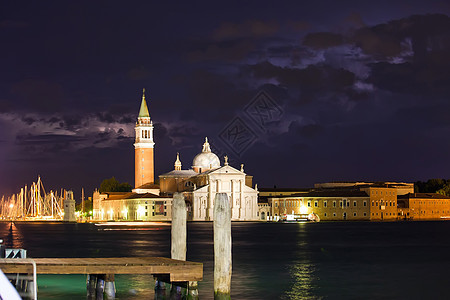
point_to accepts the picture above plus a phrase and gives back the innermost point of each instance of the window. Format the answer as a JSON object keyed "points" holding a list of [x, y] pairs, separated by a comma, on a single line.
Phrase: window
{"points": [[365, 214], [316, 204], [372, 203], [354, 214], [276, 203], [354, 203], [365, 203], [334, 214], [309, 203], [325, 214], [324, 203], [334, 203]]}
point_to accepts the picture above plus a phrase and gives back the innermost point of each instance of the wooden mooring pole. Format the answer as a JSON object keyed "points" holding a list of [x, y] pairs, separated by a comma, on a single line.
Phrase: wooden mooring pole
{"points": [[222, 247], [178, 251], [179, 229]]}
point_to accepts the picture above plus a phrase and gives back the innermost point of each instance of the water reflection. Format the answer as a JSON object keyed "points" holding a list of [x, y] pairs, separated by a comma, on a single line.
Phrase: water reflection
{"points": [[13, 238], [303, 277], [302, 270]]}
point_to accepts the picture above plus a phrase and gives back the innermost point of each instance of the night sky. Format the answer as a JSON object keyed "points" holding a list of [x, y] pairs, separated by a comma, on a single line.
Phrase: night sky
{"points": [[298, 91]]}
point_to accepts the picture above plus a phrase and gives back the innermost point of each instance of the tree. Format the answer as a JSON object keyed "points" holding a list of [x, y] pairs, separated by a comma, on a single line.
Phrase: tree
{"points": [[113, 185], [436, 185]]}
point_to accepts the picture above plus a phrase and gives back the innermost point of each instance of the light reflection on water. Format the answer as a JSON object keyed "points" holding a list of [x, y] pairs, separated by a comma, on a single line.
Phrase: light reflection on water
{"points": [[14, 238], [335, 260], [302, 275]]}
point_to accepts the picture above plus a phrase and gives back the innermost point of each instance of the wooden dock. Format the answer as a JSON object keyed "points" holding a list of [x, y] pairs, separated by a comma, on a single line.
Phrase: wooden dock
{"points": [[161, 267]]}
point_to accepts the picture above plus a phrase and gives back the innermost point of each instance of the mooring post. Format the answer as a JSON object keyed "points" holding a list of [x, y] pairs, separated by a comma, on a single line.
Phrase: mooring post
{"points": [[222, 247], [91, 285], [192, 293], [100, 286], [179, 232], [160, 290], [110, 287]]}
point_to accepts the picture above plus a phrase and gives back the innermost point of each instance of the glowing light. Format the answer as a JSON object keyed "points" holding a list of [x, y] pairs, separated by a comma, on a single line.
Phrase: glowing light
{"points": [[141, 210], [303, 209], [11, 205], [125, 213]]}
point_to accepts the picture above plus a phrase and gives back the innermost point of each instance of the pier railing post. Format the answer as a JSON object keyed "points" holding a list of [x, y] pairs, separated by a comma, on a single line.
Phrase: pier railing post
{"points": [[222, 247]]}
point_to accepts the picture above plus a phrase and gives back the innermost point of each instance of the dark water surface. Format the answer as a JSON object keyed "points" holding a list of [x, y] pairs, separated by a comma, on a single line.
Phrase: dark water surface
{"points": [[327, 260]]}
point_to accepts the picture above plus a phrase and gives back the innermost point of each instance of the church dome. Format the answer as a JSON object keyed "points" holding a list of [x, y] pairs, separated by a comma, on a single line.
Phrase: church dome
{"points": [[206, 159]]}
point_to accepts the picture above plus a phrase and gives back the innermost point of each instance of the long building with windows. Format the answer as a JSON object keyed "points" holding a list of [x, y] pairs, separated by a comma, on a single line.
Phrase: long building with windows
{"points": [[337, 201], [423, 206], [328, 205]]}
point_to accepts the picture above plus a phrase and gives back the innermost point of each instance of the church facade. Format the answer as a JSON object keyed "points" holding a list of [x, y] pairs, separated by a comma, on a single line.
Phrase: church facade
{"points": [[199, 184], [207, 178]]}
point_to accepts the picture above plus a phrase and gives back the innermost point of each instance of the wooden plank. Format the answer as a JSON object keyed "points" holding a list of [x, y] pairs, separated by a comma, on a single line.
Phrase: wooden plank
{"points": [[177, 270]]}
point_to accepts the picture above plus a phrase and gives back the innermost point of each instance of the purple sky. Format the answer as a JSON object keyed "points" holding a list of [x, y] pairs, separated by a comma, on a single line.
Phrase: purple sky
{"points": [[353, 90]]}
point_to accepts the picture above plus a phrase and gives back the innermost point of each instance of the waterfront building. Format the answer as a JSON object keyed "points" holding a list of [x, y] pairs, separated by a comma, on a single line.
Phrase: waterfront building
{"points": [[117, 206], [423, 206], [264, 211], [375, 201], [327, 204], [200, 183], [207, 178], [383, 202]]}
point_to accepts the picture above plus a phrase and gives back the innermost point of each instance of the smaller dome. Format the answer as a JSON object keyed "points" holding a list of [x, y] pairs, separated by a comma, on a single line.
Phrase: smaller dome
{"points": [[206, 159]]}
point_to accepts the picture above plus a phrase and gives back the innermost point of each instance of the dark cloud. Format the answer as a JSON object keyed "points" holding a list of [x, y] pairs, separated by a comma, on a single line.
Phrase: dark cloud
{"points": [[253, 29], [323, 40], [318, 78], [307, 131], [71, 86], [28, 120], [37, 94], [39, 146], [227, 52]]}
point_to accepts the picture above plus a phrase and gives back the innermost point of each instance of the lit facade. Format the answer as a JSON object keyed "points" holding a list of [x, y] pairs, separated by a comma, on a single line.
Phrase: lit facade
{"points": [[207, 178], [131, 207], [328, 205], [423, 206]]}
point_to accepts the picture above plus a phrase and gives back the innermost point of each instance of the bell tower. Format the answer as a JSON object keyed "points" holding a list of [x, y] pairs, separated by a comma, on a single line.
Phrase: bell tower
{"points": [[143, 147]]}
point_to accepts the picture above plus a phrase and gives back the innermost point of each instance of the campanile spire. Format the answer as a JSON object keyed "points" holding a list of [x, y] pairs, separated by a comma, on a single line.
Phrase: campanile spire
{"points": [[143, 146]]}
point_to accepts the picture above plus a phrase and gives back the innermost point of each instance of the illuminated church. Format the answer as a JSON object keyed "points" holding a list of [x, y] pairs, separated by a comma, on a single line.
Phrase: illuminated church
{"points": [[151, 202]]}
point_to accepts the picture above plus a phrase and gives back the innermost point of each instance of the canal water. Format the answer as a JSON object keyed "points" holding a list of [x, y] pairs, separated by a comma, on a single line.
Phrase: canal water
{"points": [[327, 260]]}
